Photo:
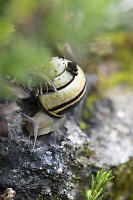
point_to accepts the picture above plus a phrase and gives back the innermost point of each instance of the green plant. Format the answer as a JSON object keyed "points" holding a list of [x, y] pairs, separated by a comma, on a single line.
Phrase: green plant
{"points": [[99, 185], [31, 31]]}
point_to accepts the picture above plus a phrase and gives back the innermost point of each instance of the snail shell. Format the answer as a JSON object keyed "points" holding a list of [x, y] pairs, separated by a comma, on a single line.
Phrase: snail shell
{"points": [[69, 86]]}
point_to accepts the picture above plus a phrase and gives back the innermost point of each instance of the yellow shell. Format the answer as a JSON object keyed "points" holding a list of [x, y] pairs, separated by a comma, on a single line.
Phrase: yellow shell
{"points": [[70, 89]]}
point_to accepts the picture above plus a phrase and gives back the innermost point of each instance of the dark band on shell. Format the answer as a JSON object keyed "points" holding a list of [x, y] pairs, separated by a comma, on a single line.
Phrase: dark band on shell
{"points": [[69, 104]]}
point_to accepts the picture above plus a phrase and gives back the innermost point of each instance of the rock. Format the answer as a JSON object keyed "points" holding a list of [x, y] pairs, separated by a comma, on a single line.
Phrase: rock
{"points": [[46, 171], [112, 135], [8, 194], [62, 162], [49, 171]]}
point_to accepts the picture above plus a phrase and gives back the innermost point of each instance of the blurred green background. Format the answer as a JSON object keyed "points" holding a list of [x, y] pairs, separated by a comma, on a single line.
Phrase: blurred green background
{"points": [[98, 35], [88, 32]]}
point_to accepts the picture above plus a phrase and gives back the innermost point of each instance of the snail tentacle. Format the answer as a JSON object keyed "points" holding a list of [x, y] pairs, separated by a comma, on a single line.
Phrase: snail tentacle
{"points": [[35, 130], [29, 118], [35, 127]]}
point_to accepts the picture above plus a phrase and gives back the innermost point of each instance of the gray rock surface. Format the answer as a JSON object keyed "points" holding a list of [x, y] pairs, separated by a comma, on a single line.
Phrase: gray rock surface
{"points": [[112, 135], [46, 171], [62, 161], [49, 171]]}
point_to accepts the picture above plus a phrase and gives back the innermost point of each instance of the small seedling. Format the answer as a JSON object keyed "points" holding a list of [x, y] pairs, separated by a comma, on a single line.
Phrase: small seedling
{"points": [[99, 185]]}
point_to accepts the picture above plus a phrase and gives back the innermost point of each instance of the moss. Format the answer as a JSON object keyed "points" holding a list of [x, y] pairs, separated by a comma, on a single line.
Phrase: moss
{"points": [[90, 102], [83, 125], [88, 110], [80, 170], [85, 151], [85, 114], [123, 181], [40, 197], [122, 44]]}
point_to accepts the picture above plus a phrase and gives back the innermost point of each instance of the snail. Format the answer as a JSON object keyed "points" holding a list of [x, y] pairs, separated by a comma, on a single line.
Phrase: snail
{"points": [[69, 85]]}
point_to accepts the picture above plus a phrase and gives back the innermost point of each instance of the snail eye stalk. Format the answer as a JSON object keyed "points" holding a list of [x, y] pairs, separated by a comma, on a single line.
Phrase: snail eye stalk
{"points": [[35, 127]]}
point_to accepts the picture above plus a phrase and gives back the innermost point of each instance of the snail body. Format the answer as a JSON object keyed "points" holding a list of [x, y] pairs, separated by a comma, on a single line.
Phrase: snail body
{"points": [[43, 124], [69, 87]]}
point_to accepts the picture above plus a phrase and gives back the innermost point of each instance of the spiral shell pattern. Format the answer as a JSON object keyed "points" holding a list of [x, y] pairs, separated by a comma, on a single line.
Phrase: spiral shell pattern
{"points": [[70, 84]]}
